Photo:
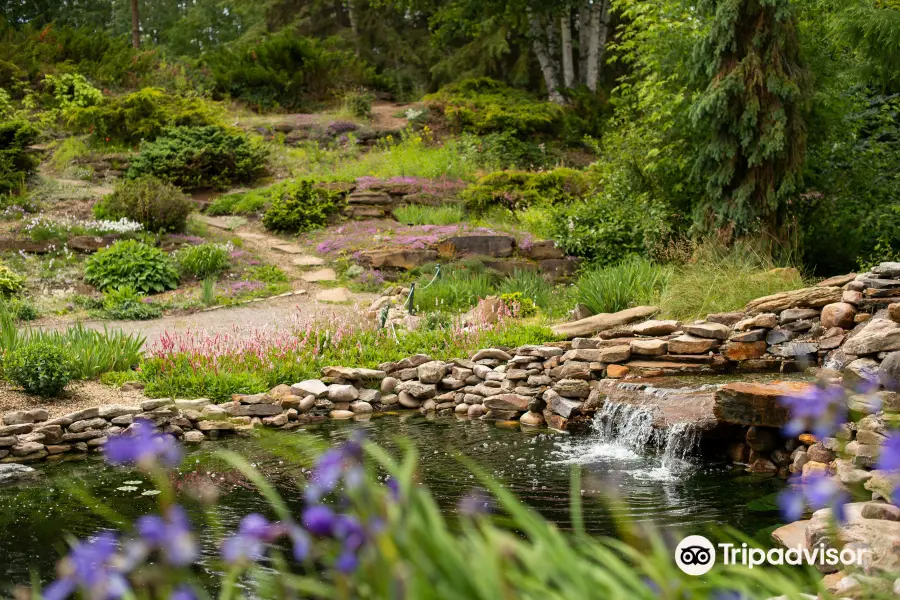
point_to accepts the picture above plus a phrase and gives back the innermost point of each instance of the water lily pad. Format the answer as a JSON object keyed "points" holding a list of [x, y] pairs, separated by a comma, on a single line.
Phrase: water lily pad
{"points": [[126, 488], [151, 493], [134, 482]]}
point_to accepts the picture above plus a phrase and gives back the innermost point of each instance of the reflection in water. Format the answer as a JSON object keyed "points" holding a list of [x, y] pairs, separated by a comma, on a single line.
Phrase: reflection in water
{"points": [[665, 487]]}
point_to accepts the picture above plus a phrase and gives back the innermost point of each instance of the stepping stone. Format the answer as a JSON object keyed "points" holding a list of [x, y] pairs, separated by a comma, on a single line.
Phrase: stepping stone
{"points": [[309, 261], [226, 223], [334, 295], [288, 248], [320, 275], [248, 235]]}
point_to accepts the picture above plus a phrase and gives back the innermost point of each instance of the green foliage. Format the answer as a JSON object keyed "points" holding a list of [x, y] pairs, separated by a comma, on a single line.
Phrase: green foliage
{"points": [[203, 260], [358, 104], [751, 113], [299, 206], [284, 69], [418, 214], [16, 163], [459, 288], [11, 283], [268, 274], [142, 116], [530, 285], [21, 309], [242, 203], [208, 291], [39, 368], [723, 279], [484, 105], [201, 157], [6, 107], [157, 205], [519, 305], [131, 263], [633, 282], [67, 151], [72, 90], [128, 304], [518, 190]]}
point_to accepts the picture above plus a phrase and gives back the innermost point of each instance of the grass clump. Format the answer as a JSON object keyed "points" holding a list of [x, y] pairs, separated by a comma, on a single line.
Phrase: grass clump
{"points": [[633, 282], [530, 285], [718, 279], [417, 214], [202, 261], [243, 203], [457, 289]]}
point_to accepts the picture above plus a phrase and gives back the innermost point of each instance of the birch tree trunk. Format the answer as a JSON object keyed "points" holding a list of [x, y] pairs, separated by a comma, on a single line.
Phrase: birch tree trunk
{"points": [[566, 36], [605, 18], [584, 18], [354, 23], [599, 22], [135, 25], [545, 59]]}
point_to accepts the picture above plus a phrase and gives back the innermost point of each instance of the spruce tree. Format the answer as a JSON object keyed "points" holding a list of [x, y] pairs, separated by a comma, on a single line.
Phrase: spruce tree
{"points": [[751, 114]]}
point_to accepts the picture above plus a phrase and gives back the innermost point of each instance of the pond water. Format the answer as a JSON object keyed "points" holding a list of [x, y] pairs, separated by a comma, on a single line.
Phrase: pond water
{"points": [[36, 519]]}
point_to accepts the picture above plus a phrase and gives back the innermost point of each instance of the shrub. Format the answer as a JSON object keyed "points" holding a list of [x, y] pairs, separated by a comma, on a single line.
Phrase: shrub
{"points": [[11, 283], [142, 115], [358, 104], [484, 105], [131, 263], [633, 282], [300, 206], [21, 309], [202, 261], [128, 304], [157, 205], [417, 214], [72, 90], [16, 163], [201, 157], [518, 190], [40, 368]]}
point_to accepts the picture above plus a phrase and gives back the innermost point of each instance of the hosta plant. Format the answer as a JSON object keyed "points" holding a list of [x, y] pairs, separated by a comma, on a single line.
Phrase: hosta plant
{"points": [[131, 263]]}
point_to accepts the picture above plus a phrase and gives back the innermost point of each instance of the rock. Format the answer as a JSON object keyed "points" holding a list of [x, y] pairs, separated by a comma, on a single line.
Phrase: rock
{"points": [[572, 388], [418, 390], [738, 351], [795, 350], [194, 437], [762, 439], [308, 261], [849, 474], [13, 472], [254, 398], [797, 314], [889, 372], [16, 429], [753, 335], [318, 275], [617, 371], [730, 318], [778, 336], [837, 280], [649, 347], [880, 510], [655, 328], [307, 404], [803, 298], [890, 270], [496, 246], [146, 406], [492, 353], [603, 322], [389, 399], [860, 372], [26, 448], [531, 419], [686, 344], [313, 387], [279, 420], [360, 407], [507, 402], [25, 417], [615, 354], [475, 411], [79, 426], [256, 410], [406, 400], [894, 312], [818, 453], [852, 297], [340, 414], [402, 258], [884, 484], [741, 403], [389, 385], [334, 295], [879, 335], [838, 314], [369, 395], [353, 374], [712, 331], [564, 407], [762, 465], [342, 393], [880, 537], [798, 326], [198, 404], [432, 372]]}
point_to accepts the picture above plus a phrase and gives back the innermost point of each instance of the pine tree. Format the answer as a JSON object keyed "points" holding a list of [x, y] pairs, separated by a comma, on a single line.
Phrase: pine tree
{"points": [[752, 112]]}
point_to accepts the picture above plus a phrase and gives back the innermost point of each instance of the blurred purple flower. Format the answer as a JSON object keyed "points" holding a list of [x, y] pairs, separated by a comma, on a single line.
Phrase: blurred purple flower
{"points": [[889, 460], [819, 410], [247, 545], [342, 127], [393, 487], [88, 568], [476, 502], [183, 592], [319, 520], [171, 535], [143, 446], [816, 491]]}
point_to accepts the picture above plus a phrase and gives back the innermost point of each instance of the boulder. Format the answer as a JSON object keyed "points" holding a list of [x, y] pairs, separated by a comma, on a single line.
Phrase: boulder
{"points": [[496, 246], [360, 407], [13, 473], [432, 372], [25, 417], [738, 351], [852, 297], [838, 314], [617, 371], [741, 403], [803, 298], [402, 258], [861, 373], [747, 337], [728, 318], [314, 387], [894, 312], [531, 419], [194, 437], [492, 353], [564, 407], [805, 350], [616, 354], [712, 331], [878, 335], [655, 328], [687, 344], [603, 322], [541, 250], [837, 280], [507, 402], [881, 537], [342, 393], [572, 388]]}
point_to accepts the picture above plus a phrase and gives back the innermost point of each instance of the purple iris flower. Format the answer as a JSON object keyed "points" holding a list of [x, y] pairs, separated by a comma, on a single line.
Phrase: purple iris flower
{"points": [[393, 487], [88, 567], [342, 461], [248, 544], [319, 520], [889, 460], [183, 592], [816, 491], [172, 536], [143, 446], [820, 410], [347, 562]]}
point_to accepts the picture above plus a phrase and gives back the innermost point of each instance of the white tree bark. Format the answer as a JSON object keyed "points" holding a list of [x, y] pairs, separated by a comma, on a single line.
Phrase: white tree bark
{"points": [[545, 59], [566, 37], [605, 18], [584, 19], [598, 32]]}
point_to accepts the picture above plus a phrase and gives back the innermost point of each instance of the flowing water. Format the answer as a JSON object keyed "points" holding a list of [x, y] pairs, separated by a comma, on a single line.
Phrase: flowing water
{"points": [[655, 475]]}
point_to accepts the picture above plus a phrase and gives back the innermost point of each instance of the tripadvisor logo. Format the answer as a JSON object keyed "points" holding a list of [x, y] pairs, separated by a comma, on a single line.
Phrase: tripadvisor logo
{"points": [[696, 555]]}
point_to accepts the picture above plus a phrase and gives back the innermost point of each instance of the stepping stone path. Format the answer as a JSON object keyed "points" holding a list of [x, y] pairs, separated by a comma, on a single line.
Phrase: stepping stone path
{"points": [[226, 223], [334, 295], [320, 275], [288, 248], [309, 261]]}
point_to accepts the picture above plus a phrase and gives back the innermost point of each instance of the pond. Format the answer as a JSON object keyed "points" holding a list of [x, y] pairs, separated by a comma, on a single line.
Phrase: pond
{"points": [[36, 519]]}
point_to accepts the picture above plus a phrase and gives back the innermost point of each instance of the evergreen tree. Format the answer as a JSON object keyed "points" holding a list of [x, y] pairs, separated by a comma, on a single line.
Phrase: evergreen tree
{"points": [[751, 112]]}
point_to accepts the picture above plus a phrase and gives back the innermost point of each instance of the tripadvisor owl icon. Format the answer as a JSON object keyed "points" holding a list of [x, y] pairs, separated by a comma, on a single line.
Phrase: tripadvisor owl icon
{"points": [[695, 555]]}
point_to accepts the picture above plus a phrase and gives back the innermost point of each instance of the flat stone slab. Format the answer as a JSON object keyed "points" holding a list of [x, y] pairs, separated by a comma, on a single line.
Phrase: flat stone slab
{"points": [[792, 535], [741, 403], [335, 295], [320, 275], [288, 248], [226, 223], [604, 321], [308, 261], [670, 401]]}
